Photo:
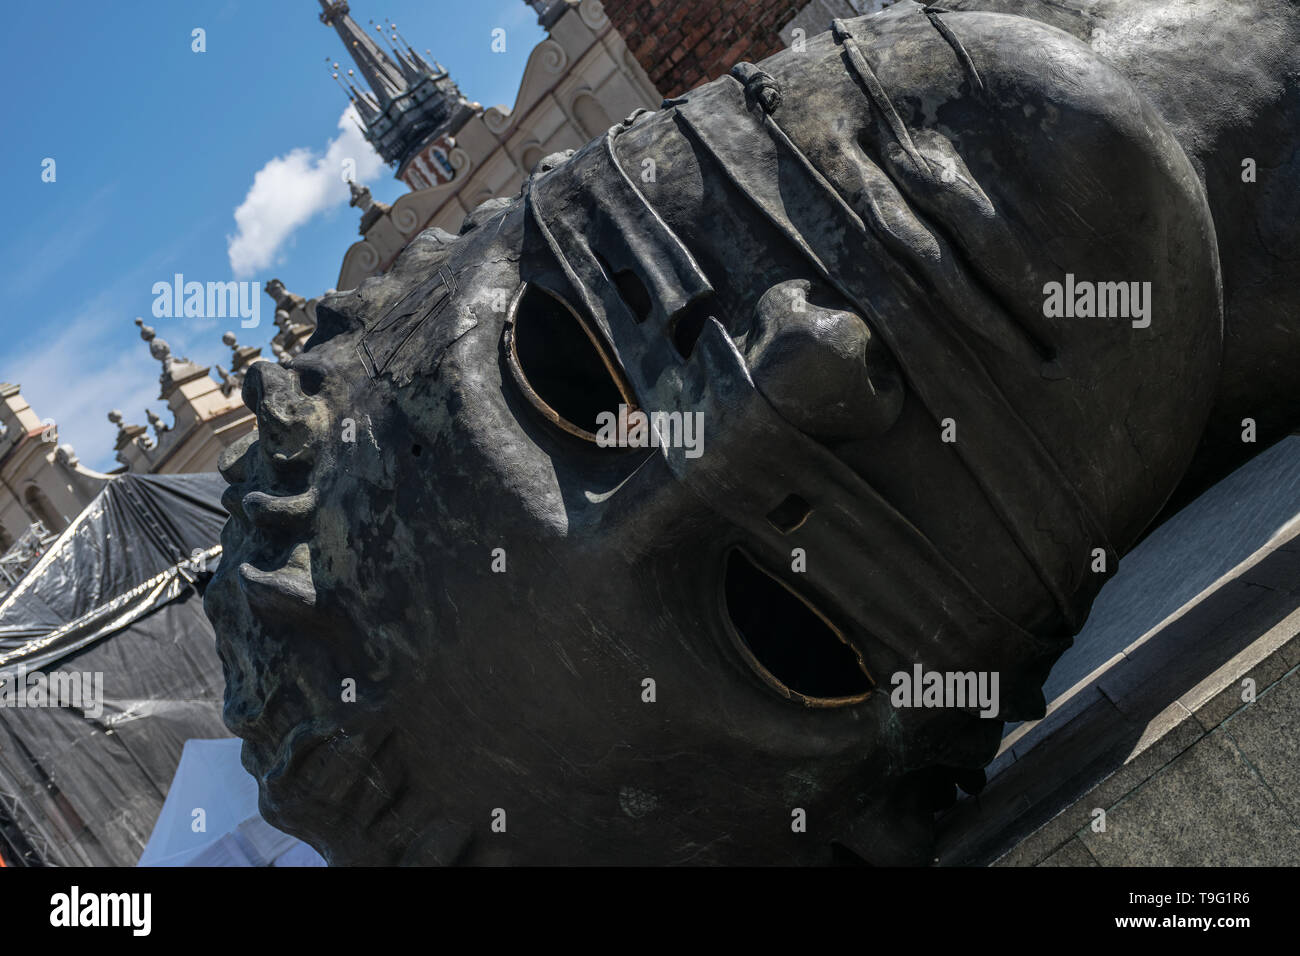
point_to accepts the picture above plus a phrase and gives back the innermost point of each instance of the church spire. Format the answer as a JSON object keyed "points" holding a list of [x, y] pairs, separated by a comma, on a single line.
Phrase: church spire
{"points": [[381, 73], [412, 107], [548, 11]]}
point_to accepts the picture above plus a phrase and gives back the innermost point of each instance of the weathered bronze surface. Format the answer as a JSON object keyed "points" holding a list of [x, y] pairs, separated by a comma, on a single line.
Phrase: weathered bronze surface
{"points": [[835, 263]]}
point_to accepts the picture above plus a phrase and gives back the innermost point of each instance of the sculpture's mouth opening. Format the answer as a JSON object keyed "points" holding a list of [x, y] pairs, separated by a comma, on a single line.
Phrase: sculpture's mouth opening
{"points": [[276, 577], [286, 589], [560, 365], [787, 641]]}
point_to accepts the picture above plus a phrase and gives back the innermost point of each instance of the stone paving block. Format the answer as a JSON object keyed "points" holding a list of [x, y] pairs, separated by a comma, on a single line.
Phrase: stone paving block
{"points": [[1215, 710], [1219, 694], [1047, 839], [1291, 650], [1207, 808], [1178, 730], [1265, 733]]}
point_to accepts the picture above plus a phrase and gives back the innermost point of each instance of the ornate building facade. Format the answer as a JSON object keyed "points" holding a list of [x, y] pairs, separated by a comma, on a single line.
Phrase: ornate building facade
{"points": [[207, 415], [452, 153], [41, 481]]}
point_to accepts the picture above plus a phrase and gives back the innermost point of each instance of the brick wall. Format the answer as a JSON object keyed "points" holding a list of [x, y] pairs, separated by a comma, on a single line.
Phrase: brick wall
{"points": [[683, 43]]}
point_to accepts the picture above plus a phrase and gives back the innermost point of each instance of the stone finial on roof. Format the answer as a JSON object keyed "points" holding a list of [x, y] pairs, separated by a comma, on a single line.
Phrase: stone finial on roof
{"points": [[159, 426], [295, 319], [158, 348], [371, 210], [125, 433], [176, 369], [242, 355], [361, 196], [241, 358], [283, 298]]}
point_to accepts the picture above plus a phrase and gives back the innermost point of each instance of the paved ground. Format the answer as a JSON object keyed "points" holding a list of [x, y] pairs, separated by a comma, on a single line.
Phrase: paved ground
{"points": [[1151, 717]]}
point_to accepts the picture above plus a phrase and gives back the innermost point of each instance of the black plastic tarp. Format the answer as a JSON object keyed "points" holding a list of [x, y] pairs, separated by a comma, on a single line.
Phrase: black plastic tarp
{"points": [[130, 550], [117, 596]]}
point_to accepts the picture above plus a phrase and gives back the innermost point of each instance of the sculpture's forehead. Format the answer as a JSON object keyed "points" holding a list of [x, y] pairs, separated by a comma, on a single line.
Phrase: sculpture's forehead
{"points": [[439, 290], [384, 338]]}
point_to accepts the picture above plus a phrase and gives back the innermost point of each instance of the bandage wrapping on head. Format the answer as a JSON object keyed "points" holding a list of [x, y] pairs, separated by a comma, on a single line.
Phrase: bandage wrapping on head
{"points": [[861, 223]]}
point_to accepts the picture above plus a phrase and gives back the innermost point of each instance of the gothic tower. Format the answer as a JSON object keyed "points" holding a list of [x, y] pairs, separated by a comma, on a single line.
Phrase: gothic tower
{"points": [[412, 108]]}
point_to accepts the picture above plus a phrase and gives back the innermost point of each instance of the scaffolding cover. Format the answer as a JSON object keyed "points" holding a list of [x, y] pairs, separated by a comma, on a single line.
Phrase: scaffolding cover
{"points": [[115, 603]]}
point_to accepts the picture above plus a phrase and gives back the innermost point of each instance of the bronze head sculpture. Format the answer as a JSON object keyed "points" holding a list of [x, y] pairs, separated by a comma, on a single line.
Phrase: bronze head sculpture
{"points": [[459, 627]]}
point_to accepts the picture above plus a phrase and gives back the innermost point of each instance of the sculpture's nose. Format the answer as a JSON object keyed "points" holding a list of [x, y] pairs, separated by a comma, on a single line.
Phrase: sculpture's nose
{"points": [[263, 382], [284, 413], [821, 367]]}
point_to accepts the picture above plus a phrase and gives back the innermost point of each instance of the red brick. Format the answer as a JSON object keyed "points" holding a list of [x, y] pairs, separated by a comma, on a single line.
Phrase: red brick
{"points": [[669, 36]]}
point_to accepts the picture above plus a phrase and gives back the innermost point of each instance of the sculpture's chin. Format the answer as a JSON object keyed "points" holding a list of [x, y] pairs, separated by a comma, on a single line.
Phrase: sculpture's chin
{"points": [[336, 789], [326, 765], [277, 765], [279, 790]]}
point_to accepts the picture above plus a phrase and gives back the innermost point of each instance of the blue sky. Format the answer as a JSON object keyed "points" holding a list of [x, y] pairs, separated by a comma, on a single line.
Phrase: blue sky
{"points": [[157, 146]]}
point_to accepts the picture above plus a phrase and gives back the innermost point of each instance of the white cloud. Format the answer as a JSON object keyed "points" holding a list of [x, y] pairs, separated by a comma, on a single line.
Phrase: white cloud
{"points": [[290, 189]]}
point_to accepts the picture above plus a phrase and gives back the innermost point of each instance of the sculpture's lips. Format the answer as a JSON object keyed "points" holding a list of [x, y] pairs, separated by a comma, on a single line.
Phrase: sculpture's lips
{"points": [[270, 512], [267, 567], [302, 455], [286, 589], [271, 532], [280, 512]]}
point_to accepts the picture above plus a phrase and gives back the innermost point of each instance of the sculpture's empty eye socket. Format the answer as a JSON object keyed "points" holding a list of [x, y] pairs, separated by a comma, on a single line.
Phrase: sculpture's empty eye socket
{"points": [[787, 641], [560, 365]]}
